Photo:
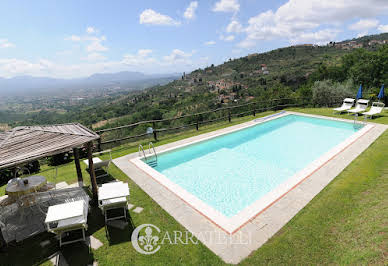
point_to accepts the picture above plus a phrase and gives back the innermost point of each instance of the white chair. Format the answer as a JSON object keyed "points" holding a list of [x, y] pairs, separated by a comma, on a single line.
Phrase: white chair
{"points": [[361, 106], [98, 164], [346, 105], [376, 108]]}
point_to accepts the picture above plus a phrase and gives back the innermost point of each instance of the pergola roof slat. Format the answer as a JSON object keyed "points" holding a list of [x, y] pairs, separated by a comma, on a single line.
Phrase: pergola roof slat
{"points": [[24, 144]]}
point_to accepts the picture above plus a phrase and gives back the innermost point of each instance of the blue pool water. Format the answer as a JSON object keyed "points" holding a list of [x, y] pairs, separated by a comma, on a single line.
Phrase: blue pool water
{"points": [[232, 171]]}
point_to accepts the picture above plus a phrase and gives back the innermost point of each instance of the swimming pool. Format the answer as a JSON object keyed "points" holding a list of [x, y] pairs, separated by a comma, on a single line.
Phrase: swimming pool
{"points": [[231, 177]]}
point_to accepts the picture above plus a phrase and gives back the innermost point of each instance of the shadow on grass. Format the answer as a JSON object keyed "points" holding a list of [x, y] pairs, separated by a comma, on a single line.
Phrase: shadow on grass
{"points": [[29, 252], [77, 254], [104, 179], [120, 235]]}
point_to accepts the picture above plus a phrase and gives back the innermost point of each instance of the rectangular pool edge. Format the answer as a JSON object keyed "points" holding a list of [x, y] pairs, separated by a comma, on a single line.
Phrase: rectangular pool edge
{"points": [[233, 224]]}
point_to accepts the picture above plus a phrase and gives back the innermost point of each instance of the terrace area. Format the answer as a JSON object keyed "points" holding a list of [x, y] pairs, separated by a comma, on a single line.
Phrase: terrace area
{"points": [[347, 213]]}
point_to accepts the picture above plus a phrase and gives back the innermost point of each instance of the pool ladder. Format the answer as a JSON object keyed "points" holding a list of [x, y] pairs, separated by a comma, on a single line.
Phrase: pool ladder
{"points": [[356, 123], [152, 159]]}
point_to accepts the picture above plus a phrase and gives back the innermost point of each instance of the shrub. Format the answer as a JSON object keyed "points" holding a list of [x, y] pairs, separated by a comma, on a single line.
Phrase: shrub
{"points": [[327, 92], [59, 159]]}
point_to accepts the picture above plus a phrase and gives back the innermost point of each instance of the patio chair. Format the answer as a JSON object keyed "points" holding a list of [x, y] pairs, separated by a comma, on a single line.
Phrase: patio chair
{"points": [[376, 108], [361, 106], [346, 105], [101, 165]]}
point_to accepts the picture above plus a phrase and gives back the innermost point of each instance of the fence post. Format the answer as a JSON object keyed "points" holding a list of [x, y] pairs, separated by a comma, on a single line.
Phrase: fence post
{"points": [[154, 131], [229, 116], [197, 124], [99, 144]]}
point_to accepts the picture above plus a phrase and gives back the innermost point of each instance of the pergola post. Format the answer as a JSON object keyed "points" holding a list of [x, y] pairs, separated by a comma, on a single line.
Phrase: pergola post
{"points": [[78, 167], [93, 181]]}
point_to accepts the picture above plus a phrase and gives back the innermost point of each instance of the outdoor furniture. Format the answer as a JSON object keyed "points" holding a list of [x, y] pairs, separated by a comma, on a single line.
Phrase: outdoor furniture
{"points": [[67, 217], [376, 108], [346, 105], [25, 144], [113, 196], [361, 106], [18, 223], [18, 187], [100, 164]]}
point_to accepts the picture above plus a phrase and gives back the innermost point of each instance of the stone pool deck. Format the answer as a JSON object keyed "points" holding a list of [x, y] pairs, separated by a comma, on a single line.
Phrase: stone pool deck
{"points": [[233, 248]]}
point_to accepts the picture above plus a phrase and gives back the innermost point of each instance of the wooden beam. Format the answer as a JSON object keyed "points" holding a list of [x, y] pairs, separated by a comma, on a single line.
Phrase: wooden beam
{"points": [[93, 181], [78, 167]]}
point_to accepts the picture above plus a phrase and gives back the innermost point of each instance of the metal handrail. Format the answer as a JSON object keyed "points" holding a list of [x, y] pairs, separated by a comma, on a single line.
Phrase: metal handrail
{"points": [[151, 145], [141, 149], [356, 122]]}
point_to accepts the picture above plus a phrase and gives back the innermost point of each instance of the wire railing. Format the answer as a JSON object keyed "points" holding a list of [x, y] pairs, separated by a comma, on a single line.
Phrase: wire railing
{"points": [[141, 130]]}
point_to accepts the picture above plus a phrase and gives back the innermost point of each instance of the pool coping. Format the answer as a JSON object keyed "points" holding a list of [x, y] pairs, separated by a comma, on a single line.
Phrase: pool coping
{"points": [[187, 204]]}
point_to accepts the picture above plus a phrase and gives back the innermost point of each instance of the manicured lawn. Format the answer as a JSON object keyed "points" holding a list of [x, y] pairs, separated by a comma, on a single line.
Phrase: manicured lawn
{"points": [[347, 223]]}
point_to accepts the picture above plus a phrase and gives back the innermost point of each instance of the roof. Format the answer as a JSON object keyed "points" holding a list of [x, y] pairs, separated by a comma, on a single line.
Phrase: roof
{"points": [[24, 144]]}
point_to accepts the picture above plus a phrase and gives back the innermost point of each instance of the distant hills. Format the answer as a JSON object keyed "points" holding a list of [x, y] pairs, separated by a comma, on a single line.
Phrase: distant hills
{"points": [[122, 80]]}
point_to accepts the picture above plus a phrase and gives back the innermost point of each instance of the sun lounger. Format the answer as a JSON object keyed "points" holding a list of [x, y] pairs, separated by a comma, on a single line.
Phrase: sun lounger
{"points": [[98, 164], [376, 108], [361, 106], [346, 105]]}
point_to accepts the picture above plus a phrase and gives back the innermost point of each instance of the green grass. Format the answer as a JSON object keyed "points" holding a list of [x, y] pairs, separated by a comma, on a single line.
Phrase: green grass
{"points": [[347, 223]]}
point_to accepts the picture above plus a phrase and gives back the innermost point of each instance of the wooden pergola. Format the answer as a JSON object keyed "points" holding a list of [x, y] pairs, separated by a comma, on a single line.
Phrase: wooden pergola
{"points": [[28, 143]]}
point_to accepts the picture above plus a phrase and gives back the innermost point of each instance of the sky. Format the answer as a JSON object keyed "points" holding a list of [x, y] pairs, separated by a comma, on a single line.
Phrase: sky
{"points": [[72, 38]]}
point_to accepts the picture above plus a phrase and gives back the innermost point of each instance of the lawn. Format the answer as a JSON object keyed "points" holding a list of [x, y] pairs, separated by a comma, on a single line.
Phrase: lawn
{"points": [[347, 223]]}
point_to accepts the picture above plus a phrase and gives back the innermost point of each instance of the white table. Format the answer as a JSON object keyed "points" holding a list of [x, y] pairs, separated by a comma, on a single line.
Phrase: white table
{"points": [[113, 196], [68, 217], [112, 191]]}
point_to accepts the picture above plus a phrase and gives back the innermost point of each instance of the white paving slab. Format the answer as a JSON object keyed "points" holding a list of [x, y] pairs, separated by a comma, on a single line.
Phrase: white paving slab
{"points": [[263, 225], [95, 243], [58, 259], [61, 185], [138, 210]]}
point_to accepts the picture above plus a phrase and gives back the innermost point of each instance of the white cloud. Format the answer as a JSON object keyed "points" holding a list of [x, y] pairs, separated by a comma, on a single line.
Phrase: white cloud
{"points": [[142, 60], [320, 37], [91, 30], [305, 17], [364, 25], [383, 28], [190, 11], [144, 52], [227, 38], [96, 45], [227, 6], [95, 57], [149, 16], [73, 38], [210, 43], [93, 43], [234, 27], [5, 43], [177, 56]]}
